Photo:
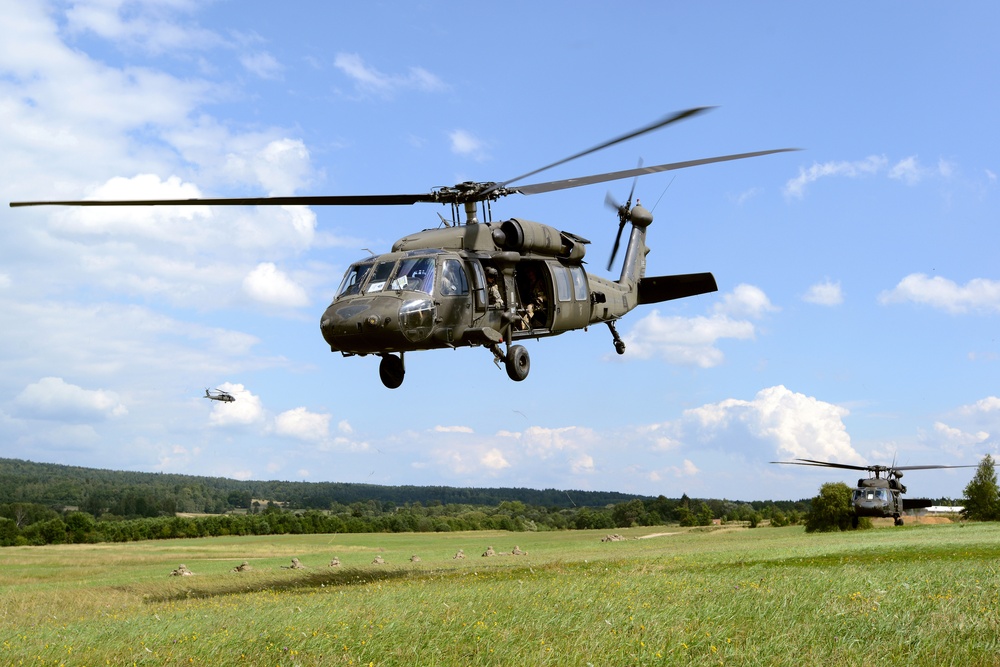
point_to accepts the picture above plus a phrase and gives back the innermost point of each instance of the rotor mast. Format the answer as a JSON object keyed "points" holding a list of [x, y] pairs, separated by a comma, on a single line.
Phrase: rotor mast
{"points": [[470, 213]]}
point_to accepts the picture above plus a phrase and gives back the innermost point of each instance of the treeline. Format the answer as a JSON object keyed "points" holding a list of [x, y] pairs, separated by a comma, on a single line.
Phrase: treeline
{"points": [[54, 504], [33, 524], [137, 494]]}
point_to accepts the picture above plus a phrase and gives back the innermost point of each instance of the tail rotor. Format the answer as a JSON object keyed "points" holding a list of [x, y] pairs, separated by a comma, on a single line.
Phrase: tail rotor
{"points": [[624, 215]]}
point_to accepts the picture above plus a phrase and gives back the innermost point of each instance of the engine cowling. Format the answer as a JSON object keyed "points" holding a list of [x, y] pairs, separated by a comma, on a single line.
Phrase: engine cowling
{"points": [[525, 236]]}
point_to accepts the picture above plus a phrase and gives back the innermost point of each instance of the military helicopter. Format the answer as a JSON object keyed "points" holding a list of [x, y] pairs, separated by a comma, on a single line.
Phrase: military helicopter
{"points": [[880, 495], [435, 288], [219, 395]]}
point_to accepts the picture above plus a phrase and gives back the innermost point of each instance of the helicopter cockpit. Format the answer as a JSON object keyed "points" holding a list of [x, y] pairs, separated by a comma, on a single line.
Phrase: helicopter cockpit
{"points": [[871, 495], [377, 274], [392, 301]]}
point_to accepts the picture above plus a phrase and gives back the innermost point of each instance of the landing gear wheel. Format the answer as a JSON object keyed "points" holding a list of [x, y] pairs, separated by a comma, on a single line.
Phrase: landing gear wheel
{"points": [[517, 362], [898, 521], [855, 521], [391, 371], [620, 346]]}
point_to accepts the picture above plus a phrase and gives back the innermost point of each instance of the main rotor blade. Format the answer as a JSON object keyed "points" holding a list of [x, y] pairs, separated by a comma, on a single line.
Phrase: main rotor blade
{"points": [[823, 464], [928, 467], [537, 188], [872, 468], [306, 200], [663, 122]]}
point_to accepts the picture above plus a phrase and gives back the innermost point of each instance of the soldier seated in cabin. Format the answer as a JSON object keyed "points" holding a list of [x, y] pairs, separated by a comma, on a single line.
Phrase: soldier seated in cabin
{"points": [[493, 290], [536, 304]]}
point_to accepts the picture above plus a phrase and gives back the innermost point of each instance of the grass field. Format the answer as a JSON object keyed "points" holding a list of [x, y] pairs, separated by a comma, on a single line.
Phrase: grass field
{"points": [[914, 595]]}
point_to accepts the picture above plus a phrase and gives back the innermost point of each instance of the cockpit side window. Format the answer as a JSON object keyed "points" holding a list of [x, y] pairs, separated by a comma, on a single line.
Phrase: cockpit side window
{"points": [[454, 282], [356, 274]]}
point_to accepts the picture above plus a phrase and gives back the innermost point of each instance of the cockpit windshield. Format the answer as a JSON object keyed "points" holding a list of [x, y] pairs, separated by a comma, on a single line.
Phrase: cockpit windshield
{"points": [[380, 276], [415, 273], [871, 494], [408, 273], [351, 284]]}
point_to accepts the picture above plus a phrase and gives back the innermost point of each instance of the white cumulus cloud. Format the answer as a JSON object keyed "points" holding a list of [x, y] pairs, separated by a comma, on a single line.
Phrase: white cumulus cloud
{"points": [[281, 166], [826, 293], [494, 460], [268, 284], [302, 424], [247, 409], [692, 340], [54, 398], [797, 425], [979, 294]]}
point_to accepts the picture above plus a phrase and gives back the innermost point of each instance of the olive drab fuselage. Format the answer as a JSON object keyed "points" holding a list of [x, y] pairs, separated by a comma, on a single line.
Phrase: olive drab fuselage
{"points": [[878, 498], [431, 291]]}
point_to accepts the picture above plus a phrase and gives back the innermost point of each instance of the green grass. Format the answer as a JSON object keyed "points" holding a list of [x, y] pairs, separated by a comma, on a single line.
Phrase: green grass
{"points": [[915, 595]]}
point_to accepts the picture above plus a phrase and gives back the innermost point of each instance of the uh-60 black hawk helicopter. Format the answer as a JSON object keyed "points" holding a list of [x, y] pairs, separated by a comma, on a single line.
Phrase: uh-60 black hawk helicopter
{"points": [[435, 288], [219, 395], [881, 494]]}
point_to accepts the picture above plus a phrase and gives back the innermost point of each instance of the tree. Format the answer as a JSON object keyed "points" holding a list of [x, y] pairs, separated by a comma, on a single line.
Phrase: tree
{"points": [[982, 498], [626, 515], [704, 517], [831, 509]]}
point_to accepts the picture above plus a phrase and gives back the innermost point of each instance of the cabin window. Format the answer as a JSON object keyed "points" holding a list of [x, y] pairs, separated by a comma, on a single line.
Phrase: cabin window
{"points": [[579, 283], [453, 279], [351, 284], [563, 287]]}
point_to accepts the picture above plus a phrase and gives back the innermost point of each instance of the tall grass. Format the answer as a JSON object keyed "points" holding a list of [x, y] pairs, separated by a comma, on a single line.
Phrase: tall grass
{"points": [[922, 595]]}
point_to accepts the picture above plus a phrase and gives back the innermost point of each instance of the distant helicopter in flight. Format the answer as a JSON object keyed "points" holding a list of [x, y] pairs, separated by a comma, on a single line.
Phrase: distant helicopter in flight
{"points": [[219, 395]]}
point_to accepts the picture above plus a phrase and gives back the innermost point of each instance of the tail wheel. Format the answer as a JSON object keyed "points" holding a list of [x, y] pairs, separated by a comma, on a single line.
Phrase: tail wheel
{"points": [[518, 363], [391, 371]]}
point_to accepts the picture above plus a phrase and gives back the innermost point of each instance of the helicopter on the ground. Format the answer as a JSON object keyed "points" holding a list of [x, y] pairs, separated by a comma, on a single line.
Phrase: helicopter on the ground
{"points": [[484, 284], [878, 495], [219, 395]]}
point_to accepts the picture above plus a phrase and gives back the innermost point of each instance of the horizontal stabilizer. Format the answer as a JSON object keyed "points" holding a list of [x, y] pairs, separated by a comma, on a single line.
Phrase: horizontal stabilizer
{"points": [[916, 503], [655, 289]]}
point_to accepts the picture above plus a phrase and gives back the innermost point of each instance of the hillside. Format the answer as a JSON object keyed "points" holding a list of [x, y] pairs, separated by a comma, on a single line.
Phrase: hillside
{"points": [[127, 493]]}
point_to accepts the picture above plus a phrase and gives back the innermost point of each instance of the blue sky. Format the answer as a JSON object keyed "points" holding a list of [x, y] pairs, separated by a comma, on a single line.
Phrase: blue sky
{"points": [[858, 312]]}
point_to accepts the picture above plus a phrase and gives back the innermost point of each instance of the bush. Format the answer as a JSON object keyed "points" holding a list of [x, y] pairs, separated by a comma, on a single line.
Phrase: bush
{"points": [[832, 509]]}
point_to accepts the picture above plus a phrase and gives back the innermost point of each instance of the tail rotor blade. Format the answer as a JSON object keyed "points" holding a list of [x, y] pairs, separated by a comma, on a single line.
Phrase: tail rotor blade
{"points": [[618, 238]]}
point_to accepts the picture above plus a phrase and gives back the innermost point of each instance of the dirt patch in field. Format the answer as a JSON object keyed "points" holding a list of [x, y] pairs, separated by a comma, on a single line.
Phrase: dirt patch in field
{"points": [[646, 537], [911, 521]]}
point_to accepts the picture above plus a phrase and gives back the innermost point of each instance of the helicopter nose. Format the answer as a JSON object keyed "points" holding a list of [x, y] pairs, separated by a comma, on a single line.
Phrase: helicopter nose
{"points": [[334, 325], [362, 326]]}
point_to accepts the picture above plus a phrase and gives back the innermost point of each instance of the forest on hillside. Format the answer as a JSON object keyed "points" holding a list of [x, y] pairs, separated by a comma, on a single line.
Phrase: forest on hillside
{"points": [[137, 494], [42, 503]]}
